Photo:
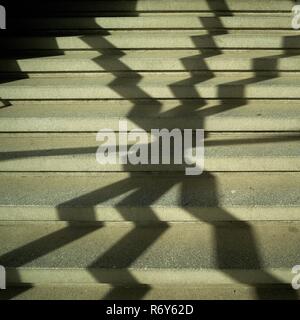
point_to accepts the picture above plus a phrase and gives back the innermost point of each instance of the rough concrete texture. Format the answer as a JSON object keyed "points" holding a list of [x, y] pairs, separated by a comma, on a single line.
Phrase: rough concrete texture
{"points": [[183, 254], [106, 292], [179, 39], [229, 115], [120, 197], [72, 228], [77, 152], [153, 86], [172, 6], [155, 60], [161, 21]]}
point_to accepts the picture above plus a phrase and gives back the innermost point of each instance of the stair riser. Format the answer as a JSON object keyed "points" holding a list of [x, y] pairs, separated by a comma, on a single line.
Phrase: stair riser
{"points": [[102, 292], [148, 277], [259, 90], [189, 62], [203, 21], [183, 254], [158, 40], [140, 215], [86, 124], [164, 6], [69, 223]]}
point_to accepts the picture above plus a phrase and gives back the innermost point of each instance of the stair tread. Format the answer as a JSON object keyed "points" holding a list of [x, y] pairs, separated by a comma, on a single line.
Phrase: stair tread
{"points": [[154, 60], [169, 6], [67, 222], [160, 39], [156, 21], [212, 115], [108, 292], [134, 254], [150, 86], [128, 197], [77, 152]]}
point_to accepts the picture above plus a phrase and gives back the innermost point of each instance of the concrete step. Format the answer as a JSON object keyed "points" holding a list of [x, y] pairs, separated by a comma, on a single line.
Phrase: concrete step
{"points": [[178, 254], [149, 198], [108, 292], [65, 7], [155, 60], [153, 86], [176, 39], [132, 77], [77, 152], [73, 228], [157, 21], [211, 115]]}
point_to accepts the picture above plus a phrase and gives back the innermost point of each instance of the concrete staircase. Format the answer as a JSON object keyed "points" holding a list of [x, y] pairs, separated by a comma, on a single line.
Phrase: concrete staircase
{"points": [[73, 229]]}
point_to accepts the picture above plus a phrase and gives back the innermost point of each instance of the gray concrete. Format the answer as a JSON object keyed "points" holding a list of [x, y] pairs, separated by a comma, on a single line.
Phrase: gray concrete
{"points": [[71, 228], [156, 86], [182, 254], [77, 152], [116, 197], [175, 6], [177, 39], [156, 60], [211, 115], [160, 21], [102, 291]]}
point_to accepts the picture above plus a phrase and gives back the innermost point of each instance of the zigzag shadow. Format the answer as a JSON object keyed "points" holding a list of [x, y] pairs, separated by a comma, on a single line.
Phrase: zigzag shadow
{"points": [[131, 241]]}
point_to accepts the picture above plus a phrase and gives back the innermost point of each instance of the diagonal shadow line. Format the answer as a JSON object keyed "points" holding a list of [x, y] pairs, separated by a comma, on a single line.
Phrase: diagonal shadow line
{"points": [[249, 243], [157, 106], [131, 235], [131, 239], [13, 155], [69, 234], [229, 256], [64, 236], [130, 244], [122, 92], [220, 237], [59, 238]]}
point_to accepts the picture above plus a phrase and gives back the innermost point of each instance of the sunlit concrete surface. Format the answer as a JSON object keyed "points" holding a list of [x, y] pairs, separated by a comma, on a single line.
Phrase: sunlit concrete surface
{"points": [[71, 228]]}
